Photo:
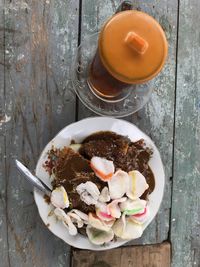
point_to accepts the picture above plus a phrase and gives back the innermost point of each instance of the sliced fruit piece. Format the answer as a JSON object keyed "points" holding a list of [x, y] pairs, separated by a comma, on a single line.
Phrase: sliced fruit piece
{"points": [[137, 185], [59, 198], [89, 192], [127, 229], [103, 168], [118, 184], [131, 207], [99, 237], [114, 209], [66, 220], [141, 218], [97, 223], [104, 196]]}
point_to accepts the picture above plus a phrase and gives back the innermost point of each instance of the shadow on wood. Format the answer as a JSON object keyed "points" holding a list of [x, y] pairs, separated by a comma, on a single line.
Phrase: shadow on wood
{"points": [[135, 256]]}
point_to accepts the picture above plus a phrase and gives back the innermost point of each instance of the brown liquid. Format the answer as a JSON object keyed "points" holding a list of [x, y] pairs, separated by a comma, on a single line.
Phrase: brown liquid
{"points": [[102, 82]]}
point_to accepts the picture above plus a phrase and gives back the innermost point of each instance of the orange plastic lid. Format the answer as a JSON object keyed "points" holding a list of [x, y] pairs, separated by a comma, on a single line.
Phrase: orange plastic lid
{"points": [[133, 47]]}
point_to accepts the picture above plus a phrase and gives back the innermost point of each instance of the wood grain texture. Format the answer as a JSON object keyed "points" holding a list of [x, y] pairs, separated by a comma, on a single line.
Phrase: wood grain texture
{"points": [[3, 207], [185, 223], [3, 204], [40, 41], [137, 256], [157, 117]]}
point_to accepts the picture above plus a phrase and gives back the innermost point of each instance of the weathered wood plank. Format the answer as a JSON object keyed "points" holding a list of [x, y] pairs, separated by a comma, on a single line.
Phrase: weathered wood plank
{"points": [[3, 207], [157, 117], [185, 223], [3, 121], [41, 39], [137, 256]]}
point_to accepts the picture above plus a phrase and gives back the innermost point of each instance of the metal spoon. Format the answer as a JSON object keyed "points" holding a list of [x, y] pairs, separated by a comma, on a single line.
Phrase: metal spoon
{"points": [[34, 180]]}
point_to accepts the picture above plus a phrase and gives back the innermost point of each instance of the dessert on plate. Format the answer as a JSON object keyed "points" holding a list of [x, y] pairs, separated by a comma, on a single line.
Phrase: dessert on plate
{"points": [[101, 186]]}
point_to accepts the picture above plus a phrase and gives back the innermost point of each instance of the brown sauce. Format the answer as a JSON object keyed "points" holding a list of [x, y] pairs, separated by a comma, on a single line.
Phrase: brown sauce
{"points": [[47, 199], [125, 154], [71, 168]]}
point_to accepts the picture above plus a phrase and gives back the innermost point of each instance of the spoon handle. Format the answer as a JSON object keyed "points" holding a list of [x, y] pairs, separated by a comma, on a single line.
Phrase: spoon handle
{"points": [[32, 179]]}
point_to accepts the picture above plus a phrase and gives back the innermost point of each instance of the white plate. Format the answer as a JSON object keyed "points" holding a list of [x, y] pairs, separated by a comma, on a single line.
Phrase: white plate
{"points": [[78, 131]]}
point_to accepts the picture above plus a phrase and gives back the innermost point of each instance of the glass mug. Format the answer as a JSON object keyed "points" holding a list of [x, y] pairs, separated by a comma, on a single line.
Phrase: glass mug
{"points": [[113, 70]]}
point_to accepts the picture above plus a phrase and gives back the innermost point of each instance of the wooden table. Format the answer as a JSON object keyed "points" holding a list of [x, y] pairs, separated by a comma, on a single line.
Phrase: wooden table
{"points": [[37, 42]]}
